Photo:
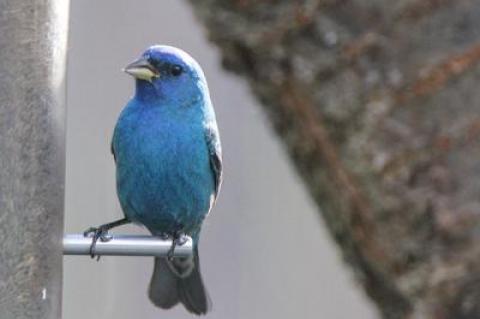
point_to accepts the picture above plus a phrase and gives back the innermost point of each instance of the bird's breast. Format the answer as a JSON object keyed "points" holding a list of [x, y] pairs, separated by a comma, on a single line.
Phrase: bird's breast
{"points": [[164, 179]]}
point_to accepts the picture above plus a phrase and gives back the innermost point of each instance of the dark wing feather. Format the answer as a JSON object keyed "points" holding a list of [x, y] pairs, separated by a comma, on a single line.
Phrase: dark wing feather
{"points": [[215, 152], [112, 150]]}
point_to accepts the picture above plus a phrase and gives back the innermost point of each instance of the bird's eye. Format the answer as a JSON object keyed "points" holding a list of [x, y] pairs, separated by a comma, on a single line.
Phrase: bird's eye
{"points": [[176, 70]]}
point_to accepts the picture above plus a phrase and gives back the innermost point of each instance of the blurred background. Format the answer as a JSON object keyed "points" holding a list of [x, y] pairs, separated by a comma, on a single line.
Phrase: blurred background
{"points": [[265, 250]]}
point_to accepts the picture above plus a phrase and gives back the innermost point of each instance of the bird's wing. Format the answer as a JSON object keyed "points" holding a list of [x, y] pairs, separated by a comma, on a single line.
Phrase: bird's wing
{"points": [[215, 152], [112, 150]]}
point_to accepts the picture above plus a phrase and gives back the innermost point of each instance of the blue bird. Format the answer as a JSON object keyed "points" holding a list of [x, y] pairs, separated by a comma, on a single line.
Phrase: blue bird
{"points": [[168, 159]]}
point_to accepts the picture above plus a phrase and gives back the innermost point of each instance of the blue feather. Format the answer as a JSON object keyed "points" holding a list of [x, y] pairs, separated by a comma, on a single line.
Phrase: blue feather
{"points": [[168, 158]]}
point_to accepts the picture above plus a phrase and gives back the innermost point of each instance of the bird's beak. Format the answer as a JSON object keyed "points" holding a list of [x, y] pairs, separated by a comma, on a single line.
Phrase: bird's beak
{"points": [[142, 69]]}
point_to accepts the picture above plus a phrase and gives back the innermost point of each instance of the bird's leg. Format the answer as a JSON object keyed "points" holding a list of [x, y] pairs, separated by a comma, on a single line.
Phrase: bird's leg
{"points": [[178, 238], [101, 232]]}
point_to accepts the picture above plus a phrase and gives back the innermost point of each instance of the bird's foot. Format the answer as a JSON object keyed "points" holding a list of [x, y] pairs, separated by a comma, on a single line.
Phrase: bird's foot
{"points": [[178, 239], [97, 233], [182, 239], [164, 236]]}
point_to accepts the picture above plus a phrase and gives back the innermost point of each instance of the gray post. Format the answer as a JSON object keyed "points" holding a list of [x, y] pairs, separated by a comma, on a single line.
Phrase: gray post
{"points": [[33, 35]]}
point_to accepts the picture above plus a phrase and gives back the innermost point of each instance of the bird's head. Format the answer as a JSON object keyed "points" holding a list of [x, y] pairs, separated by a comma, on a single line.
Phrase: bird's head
{"points": [[168, 74]]}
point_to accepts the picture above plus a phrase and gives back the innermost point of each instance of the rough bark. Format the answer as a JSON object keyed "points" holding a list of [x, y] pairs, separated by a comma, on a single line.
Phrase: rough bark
{"points": [[378, 104]]}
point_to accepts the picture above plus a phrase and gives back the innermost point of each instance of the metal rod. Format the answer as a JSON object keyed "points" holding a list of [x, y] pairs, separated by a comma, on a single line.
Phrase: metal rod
{"points": [[124, 245]]}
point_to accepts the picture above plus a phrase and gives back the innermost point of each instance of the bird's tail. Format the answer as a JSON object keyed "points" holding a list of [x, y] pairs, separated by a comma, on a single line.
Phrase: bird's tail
{"points": [[179, 280]]}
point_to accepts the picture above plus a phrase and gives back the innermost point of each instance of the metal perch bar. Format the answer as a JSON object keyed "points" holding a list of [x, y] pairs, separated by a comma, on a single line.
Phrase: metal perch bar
{"points": [[125, 245]]}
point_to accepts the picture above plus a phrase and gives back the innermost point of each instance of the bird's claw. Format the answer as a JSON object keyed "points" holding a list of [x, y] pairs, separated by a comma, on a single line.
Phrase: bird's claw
{"points": [[178, 239], [170, 253], [181, 240], [164, 236], [89, 232], [97, 233]]}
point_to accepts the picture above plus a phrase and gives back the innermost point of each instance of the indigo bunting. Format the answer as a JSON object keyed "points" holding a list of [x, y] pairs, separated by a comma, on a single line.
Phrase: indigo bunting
{"points": [[168, 159]]}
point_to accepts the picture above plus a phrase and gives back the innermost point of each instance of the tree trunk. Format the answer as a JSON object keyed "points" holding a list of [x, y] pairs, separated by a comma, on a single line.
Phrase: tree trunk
{"points": [[378, 104]]}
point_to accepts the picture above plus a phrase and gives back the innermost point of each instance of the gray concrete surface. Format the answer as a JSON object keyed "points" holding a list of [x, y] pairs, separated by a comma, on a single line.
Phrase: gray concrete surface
{"points": [[265, 252]]}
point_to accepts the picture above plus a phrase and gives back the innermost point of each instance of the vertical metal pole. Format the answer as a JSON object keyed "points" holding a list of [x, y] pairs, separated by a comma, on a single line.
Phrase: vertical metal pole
{"points": [[33, 36]]}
